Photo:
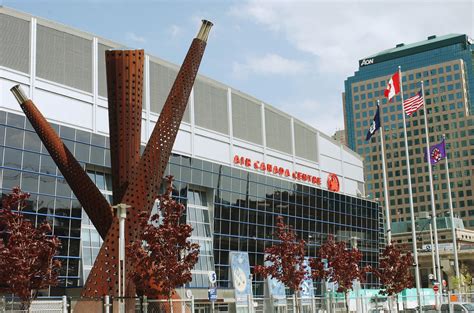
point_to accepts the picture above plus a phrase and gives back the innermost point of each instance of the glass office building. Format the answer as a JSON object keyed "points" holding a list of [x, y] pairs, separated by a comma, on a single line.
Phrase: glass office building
{"points": [[238, 163], [446, 66]]}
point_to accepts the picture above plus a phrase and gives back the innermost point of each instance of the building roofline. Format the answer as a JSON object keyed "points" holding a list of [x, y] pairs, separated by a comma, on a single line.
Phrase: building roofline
{"points": [[401, 50]]}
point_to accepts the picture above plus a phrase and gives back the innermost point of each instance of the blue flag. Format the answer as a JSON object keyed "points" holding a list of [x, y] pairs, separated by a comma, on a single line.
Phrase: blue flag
{"points": [[437, 152], [375, 125]]}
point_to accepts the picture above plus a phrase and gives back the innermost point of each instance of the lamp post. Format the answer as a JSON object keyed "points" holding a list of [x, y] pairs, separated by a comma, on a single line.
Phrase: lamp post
{"points": [[121, 213], [430, 221]]}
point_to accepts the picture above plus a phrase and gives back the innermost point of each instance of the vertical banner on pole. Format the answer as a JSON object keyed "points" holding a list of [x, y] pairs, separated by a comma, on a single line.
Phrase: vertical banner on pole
{"points": [[241, 279], [275, 292], [307, 290]]}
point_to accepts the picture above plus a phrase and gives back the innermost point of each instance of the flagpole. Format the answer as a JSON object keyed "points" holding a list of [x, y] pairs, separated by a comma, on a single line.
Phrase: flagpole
{"points": [[410, 193], [451, 215], [438, 275], [385, 188]]}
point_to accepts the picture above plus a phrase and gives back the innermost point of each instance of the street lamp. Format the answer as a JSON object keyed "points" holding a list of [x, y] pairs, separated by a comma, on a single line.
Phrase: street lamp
{"points": [[428, 216], [121, 213]]}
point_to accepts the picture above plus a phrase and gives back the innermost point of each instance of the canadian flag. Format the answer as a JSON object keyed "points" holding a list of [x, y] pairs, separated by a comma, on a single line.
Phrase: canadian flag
{"points": [[393, 86]]}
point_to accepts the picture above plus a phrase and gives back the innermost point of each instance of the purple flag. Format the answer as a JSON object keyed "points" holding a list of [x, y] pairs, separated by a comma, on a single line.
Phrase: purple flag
{"points": [[437, 152]]}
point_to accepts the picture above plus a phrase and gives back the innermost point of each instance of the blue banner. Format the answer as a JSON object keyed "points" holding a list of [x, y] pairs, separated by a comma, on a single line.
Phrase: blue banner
{"points": [[241, 279]]}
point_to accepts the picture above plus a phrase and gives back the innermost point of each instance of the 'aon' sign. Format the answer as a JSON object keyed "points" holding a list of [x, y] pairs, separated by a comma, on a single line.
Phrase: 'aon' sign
{"points": [[366, 62]]}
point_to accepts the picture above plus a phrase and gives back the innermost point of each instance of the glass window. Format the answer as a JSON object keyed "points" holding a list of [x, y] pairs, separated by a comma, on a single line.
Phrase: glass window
{"points": [[47, 184], [67, 133], [32, 142], [14, 137], [29, 182], [82, 152], [16, 120], [63, 188], [12, 158], [47, 165]]}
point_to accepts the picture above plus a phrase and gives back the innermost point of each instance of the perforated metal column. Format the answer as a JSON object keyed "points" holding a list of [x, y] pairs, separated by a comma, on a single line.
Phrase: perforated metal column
{"points": [[124, 89], [91, 199]]}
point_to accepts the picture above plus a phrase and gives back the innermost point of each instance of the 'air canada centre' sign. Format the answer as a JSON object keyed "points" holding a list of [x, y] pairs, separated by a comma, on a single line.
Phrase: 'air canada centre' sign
{"points": [[276, 170]]}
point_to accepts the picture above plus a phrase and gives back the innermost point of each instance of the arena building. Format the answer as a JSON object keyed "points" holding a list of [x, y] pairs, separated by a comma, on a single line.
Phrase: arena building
{"points": [[238, 163]]}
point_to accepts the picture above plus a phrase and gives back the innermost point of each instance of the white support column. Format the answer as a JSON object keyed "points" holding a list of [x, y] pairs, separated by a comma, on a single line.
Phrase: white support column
{"points": [[264, 132], [231, 125], [318, 151], [343, 177], [95, 82], [33, 27], [293, 144], [192, 119]]}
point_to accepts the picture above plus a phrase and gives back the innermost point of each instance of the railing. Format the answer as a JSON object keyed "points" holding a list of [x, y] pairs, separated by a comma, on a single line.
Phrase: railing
{"points": [[333, 303], [53, 305]]}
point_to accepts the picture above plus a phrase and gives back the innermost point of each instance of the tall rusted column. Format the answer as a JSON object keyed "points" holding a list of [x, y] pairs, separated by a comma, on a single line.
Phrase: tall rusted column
{"points": [[91, 199], [146, 178], [124, 92]]}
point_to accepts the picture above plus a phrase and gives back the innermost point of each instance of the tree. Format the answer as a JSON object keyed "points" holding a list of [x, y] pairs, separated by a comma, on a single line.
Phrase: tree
{"points": [[394, 271], [163, 256], [286, 259], [342, 265], [26, 252], [464, 282]]}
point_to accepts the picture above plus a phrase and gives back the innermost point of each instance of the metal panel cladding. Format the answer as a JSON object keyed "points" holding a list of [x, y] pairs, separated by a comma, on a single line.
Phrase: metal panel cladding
{"points": [[64, 58], [15, 43]]}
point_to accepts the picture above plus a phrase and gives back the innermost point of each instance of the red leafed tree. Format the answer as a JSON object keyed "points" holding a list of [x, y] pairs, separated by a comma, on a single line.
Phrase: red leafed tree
{"points": [[342, 265], [286, 259], [394, 271], [26, 252], [163, 256]]}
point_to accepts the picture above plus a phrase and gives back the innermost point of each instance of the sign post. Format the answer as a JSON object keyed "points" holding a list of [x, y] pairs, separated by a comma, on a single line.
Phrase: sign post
{"points": [[212, 293]]}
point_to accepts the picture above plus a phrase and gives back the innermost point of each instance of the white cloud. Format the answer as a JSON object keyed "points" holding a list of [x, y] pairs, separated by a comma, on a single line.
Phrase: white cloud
{"points": [[174, 30], [131, 36], [340, 33], [269, 64]]}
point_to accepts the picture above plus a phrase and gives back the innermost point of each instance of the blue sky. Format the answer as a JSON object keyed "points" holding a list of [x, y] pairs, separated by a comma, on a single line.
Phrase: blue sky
{"points": [[293, 55]]}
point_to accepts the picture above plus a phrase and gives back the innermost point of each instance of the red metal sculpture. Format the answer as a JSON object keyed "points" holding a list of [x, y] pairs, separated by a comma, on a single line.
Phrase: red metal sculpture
{"points": [[91, 199], [136, 180]]}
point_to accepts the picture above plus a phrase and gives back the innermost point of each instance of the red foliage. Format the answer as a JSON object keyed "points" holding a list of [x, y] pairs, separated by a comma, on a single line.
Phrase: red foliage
{"points": [[26, 252], [163, 256], [394, 271], [285, 259], [342, 265]]}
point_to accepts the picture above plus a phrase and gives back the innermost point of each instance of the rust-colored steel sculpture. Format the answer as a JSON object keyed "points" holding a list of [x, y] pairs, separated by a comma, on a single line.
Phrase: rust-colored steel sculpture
{"points": [[124, 92], [147, 176], [91, 199], [136, 181]]}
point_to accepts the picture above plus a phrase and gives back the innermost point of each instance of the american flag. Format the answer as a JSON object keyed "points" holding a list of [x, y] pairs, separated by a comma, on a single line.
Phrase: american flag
{"points": [[412, 104]]}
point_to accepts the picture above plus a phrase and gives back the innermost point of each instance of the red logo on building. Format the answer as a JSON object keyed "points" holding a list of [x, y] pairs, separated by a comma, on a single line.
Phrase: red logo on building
{"points": [[333, 183]]}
